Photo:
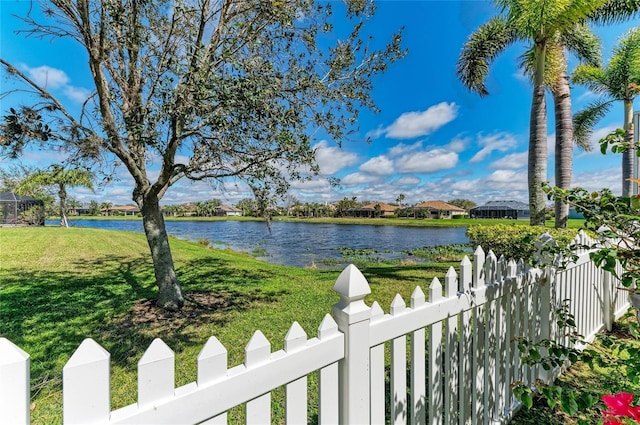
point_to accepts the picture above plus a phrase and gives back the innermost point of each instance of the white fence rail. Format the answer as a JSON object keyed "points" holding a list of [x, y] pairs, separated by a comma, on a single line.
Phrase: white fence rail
{"points": [[451, 356]]}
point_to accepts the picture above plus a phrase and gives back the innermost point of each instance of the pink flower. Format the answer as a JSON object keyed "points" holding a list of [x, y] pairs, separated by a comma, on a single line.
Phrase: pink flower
{"points": [[620, 405]]}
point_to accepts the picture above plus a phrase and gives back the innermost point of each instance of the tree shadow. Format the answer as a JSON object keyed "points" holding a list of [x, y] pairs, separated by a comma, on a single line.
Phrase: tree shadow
{"points": [[112, 300]]}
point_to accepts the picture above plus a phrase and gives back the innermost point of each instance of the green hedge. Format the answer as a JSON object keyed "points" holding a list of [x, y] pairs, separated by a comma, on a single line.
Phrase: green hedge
{"points": [[514, 241]]}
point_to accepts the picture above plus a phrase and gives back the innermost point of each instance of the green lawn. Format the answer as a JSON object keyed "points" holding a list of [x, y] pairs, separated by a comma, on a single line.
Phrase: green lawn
{"points": [[59, 286]]}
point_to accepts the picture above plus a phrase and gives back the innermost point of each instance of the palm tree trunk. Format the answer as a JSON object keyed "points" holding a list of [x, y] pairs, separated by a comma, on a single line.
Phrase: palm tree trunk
{"points": [[564, 145], [628, 155], [537, 173], [169, 292], [62, 194]]}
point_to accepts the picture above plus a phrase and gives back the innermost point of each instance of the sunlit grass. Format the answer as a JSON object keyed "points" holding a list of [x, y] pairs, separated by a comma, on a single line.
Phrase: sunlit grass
{"points": [[59, 286]]}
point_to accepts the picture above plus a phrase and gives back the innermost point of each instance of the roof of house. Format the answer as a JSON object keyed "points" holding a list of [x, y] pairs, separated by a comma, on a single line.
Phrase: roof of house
{"points": [[122, 208], [227, 208], [492, 205], [372, 206], [10, 197], [439, 205]]}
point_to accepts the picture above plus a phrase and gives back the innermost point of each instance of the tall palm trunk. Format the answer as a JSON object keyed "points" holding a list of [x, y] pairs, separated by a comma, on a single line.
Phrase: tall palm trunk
{"points": [[62, 194], [628, 155], [169, 293], [564, 145], [537, 173]]}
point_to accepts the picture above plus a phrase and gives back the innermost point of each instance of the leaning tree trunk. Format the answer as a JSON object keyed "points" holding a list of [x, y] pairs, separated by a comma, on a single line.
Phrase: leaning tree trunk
{"points": [[169, 292], [537, 173], [628, 155], [564, 145]]}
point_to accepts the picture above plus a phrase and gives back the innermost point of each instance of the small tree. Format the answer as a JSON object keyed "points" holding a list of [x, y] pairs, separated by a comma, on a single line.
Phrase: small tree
{"points": [[60, 179], [238, 88], [465, 204]]}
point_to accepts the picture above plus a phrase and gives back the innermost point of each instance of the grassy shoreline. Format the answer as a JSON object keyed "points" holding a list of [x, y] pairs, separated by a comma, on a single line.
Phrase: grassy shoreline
{"points": [[387, 221]]}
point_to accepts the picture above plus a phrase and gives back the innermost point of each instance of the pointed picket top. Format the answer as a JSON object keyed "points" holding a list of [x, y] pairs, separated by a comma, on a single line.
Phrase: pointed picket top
{"points": [[478, 267], [258, 350], [502, 268], [295, 339], [212, 361], [521, 266], [466, 273], [11, 353], [213, 348], [435, 290], [351, 284], [14, 383], [491, 266], [157, 351], [451, 283], [398, 305], [89, 351], [417, 297], [328, 327], [512, 268], [376, 311]]}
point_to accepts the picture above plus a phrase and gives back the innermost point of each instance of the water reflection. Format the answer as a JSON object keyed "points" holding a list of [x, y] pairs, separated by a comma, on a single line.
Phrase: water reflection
{"points": [[298, 244]]}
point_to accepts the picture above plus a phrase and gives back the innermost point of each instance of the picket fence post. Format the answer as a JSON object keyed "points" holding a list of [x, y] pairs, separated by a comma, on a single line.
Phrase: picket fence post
{"points": [[14, 384], [86, 385], [607, 310], [353, 317]]}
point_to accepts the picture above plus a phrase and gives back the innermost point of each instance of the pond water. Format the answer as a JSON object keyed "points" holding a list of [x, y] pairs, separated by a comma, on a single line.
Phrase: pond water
{"points": [[298, 244]]}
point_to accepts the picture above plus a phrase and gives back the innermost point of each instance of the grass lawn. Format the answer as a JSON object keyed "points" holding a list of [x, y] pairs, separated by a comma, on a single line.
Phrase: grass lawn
{"points": [[59, 286]]}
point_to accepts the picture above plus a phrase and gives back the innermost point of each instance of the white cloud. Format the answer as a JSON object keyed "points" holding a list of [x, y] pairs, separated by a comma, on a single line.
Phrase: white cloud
{"points": [[596, 179], [332, 159], [459, 144], [407, 181], [512, 161], [427, 162], [419, 123], [379, 165], [355, 179], [77, 94], [507, 180], [401, 148], [501, 142], [53, 79], [47, 77]]}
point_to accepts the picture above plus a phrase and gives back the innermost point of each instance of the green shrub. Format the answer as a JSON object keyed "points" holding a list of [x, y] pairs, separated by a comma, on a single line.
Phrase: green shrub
{"points": [[34, 216], [514, 241]]}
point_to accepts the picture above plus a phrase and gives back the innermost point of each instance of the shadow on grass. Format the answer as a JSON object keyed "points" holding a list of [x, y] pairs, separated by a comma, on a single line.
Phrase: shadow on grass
{"points": [[112, 300]]}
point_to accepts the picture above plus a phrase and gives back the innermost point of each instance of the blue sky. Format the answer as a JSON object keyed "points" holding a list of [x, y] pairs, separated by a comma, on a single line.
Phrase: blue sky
{"points": [[432, 139]]}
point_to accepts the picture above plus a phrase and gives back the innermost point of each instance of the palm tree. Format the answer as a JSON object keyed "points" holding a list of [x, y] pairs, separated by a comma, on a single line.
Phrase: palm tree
{"points": [[619, 80], [106, 205], [542, 24], [60, 178]]}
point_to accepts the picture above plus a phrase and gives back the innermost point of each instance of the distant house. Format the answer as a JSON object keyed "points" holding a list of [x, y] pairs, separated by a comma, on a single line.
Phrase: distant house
{"points": [[501, 209], [439, 209], [374, 210], [225, 210], [121, 210]]}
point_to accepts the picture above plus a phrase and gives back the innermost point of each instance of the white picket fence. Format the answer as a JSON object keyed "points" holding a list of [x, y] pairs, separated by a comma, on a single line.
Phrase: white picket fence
{"points": [[452, 358]]}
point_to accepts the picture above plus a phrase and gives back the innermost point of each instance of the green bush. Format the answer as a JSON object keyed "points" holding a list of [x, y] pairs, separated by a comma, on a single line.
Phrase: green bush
{"points": [[514, 241], [34, 216]]}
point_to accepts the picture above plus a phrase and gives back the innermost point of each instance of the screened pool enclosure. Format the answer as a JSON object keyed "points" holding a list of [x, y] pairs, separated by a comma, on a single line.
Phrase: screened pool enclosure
{"points": [[12, 205]]}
